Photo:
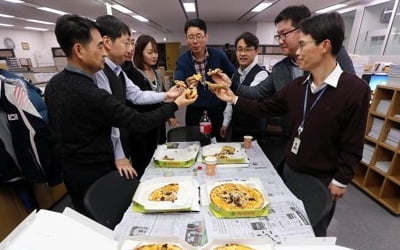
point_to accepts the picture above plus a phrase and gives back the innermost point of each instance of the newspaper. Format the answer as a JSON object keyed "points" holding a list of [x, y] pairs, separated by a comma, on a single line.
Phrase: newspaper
{"points": [[286, 218]]}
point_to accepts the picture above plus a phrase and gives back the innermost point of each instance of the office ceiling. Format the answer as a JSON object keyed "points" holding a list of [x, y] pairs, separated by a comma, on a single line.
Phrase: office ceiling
{"points": [[166, 16]]}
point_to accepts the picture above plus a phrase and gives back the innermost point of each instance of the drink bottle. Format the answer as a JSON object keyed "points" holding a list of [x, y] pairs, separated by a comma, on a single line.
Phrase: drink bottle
{"points": [[205, 129]]}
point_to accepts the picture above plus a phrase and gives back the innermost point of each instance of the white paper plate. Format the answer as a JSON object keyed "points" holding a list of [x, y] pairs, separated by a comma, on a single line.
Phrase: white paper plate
{"points": [[177, 154], [184, 197]]}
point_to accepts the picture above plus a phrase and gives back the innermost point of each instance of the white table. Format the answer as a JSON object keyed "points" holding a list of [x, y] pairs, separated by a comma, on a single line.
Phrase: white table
{"points": [[286, 218]]}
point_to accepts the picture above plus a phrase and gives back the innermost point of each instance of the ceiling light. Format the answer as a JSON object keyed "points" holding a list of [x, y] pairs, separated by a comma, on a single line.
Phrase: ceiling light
{"points": [[38, 21], [14, 1], [122, 9], [189, 7], [140, 18], [261, 7], [347, 10], [34, 28], [6, 25], [331, 8], [133, 31], [7, 16], [59, 12]]}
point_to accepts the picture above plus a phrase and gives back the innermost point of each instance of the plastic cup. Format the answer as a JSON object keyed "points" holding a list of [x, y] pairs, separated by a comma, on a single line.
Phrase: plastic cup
{"points": [[211, 163], [247, 141], [167, 172]]}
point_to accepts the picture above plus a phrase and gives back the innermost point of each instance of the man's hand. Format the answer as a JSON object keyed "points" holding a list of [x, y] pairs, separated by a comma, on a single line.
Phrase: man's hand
{"points": [[125, 168], [336, 191], [225, 95], [223, 130], [222, 78], [173, 93], [173, 122], [182, 100]]}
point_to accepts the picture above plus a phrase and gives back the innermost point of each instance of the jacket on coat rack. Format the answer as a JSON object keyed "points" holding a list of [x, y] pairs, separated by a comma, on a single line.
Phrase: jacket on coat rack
{"points": [[30, 139]]}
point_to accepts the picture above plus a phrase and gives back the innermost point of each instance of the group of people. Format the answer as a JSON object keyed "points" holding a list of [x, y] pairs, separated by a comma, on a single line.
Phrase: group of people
{"points": [[105, 108]]}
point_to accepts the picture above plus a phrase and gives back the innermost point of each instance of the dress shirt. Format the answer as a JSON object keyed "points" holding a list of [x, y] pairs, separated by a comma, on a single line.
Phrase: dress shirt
{"points": [[243, 74], [133, 94]]}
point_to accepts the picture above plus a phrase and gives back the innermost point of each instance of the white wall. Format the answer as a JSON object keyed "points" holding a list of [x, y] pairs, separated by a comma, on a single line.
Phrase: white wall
{"points": [[40, 44]]}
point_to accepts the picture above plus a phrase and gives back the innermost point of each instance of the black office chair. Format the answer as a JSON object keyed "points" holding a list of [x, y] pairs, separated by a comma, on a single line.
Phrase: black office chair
{"points": [[188, 133], [315, 196], [108, 198]]}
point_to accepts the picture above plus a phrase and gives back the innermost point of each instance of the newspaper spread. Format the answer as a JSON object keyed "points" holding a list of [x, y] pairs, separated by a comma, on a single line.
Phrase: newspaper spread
{"points": [[286, 218]]}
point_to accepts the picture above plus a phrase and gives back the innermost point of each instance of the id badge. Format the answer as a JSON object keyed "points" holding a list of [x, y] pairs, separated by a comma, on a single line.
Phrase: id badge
{"points": [[296, 145]]}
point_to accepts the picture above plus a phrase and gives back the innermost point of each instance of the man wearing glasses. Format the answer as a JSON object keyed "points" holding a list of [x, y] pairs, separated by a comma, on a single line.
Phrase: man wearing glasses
{"points": [[288, 34], [117, 44], [198, 60], [326, 108], [249, 73]]}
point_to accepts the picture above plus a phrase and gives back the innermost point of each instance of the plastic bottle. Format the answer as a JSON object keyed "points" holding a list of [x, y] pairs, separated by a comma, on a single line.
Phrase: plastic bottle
{"points": [[205, 129]]}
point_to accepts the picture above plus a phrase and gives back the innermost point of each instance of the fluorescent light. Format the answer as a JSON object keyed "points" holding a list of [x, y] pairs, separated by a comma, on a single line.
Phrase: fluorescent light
{"points": [[122, 9], [331, 8], [347, 10], [261, 7], [7, 16], [133, 31], [14, 1], [34, 28], [189, 7], [140, 18], [38, 21], [59, 12], [6, 25]]}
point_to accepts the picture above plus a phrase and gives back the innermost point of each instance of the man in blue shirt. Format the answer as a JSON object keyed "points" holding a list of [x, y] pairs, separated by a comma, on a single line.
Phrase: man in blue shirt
{"points": [[117, 41]]}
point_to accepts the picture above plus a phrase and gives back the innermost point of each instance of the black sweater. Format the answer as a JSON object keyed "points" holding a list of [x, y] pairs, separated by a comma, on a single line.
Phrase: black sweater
{"points": [[333, 136], [81, 116]]}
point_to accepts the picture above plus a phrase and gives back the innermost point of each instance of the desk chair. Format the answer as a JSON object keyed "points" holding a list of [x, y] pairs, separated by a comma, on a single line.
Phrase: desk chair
{"points": [[188, 133], [315, 196], [108, 198]]}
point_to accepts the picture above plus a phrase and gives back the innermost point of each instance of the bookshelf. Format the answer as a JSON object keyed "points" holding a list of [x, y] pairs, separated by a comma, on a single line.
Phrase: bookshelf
{"points": [[378, 173]]}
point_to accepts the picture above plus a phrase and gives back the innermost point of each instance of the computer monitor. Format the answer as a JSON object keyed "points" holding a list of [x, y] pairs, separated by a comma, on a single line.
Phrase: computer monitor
{"points": [[376, 79]]}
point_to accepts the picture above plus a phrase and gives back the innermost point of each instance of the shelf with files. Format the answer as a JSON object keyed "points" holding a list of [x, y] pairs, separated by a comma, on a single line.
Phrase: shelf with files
{"points": [[378, 173]]}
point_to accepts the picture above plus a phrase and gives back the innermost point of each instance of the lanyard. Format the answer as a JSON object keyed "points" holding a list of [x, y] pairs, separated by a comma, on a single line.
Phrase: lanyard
{"points": [[305, 114]]}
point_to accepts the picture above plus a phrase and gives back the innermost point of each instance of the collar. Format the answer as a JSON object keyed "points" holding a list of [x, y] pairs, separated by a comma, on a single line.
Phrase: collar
{"points": [[77, 70], [332, 79], [205, 57], [115, 67], [248, 68]]}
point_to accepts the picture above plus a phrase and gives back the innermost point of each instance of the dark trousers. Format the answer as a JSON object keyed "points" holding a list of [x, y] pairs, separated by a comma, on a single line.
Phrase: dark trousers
{"points": [[215, 114], [79, 177]]}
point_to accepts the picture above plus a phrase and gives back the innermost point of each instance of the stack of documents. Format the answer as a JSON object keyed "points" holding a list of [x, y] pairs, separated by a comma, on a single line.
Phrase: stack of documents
{"points": [[376, 128], [383, 106], [383, 165], [394, 75], [367, 153], [393, 137]]}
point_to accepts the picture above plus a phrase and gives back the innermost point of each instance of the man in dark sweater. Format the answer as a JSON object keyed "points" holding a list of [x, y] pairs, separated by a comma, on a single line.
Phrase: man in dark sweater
{"points": [[198, 60], [81, 114], [327, 109]]}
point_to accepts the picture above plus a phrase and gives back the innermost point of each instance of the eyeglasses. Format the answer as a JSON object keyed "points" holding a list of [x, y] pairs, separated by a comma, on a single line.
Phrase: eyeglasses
{"points": [[245, 50], [283, 36], [197, 37], [302, 44]]}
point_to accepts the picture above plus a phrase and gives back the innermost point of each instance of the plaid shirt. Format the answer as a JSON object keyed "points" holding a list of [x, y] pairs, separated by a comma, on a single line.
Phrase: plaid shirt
{"points": [[200, 66]]}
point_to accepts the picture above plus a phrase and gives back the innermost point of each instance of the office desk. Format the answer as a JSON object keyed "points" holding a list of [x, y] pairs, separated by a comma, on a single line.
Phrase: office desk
{"points": [[286, 218]]}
